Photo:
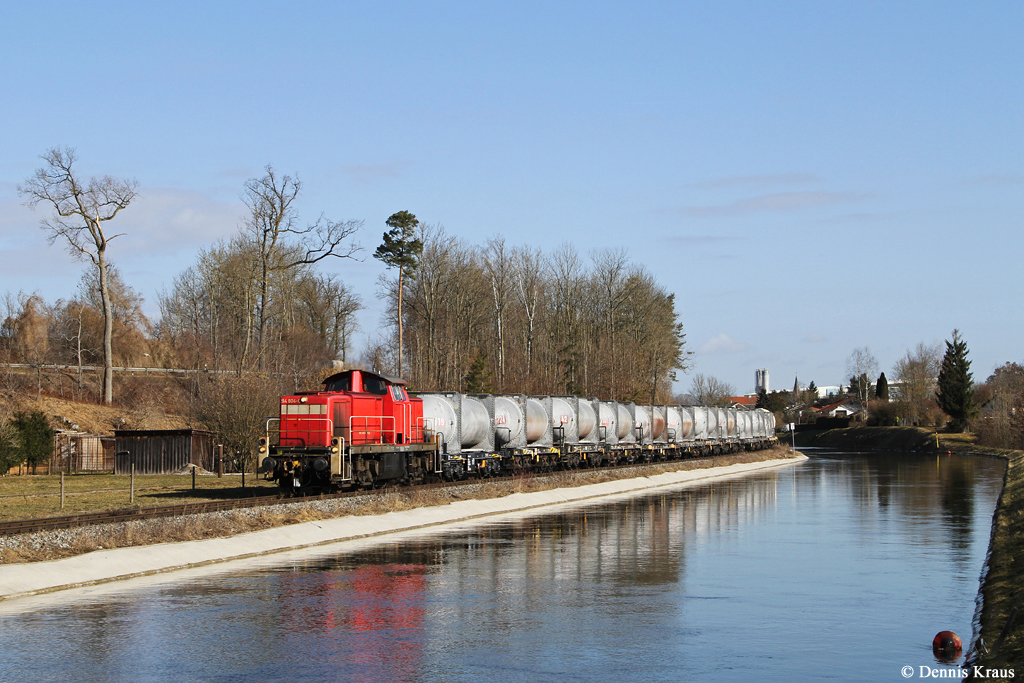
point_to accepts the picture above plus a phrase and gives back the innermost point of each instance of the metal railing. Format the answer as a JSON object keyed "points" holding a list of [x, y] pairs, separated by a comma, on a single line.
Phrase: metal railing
{"points": [[343, 458], [367, 430], [316, 426]]}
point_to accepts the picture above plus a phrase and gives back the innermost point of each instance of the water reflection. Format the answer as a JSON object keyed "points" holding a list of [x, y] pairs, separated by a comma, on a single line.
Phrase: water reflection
{"points": [[767, 577]]}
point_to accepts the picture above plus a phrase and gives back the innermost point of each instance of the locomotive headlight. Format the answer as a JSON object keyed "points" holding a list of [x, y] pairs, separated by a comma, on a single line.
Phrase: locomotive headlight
{"points": [[303, 399]]}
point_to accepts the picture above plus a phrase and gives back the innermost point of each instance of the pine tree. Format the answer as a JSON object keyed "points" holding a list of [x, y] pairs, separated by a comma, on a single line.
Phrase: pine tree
{"points": [[955, 393], [478, 379], [401, 249], [34, 437], [882, 388]]}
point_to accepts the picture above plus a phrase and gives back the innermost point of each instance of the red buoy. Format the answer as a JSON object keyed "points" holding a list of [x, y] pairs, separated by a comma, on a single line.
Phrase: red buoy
{"points": [[947, 642]]}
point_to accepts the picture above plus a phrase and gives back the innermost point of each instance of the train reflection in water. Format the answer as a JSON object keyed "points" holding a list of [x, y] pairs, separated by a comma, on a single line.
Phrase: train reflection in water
{"points": [[505, 578]]}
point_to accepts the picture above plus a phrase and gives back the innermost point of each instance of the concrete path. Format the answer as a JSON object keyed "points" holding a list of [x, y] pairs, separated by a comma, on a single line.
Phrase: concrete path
{"points": [[21, 580]]}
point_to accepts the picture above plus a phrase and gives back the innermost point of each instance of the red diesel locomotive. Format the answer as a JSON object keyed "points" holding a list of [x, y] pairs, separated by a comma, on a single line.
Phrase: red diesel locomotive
{"points": [[361, 429]]}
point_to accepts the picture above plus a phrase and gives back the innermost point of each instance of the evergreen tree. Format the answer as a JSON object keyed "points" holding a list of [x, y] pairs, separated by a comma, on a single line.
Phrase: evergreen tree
{"points": [[33, 437], [478, 380], [955, 393], [400, 249], [859, 387], [762, 398], [774, 402], [810, 395], [882, 388]]}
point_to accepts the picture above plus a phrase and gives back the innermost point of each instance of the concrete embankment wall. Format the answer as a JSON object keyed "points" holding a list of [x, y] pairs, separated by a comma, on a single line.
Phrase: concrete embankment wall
{"points": [[20, 580], [1002, 589]]}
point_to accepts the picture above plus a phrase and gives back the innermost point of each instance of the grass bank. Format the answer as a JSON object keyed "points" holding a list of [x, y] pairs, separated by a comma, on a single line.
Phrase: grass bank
{"points": [[1003, 588], [33, 496]]}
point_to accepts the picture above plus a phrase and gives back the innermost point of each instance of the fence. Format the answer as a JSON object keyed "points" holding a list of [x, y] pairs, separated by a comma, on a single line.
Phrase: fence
{"points": [[77, 452]]}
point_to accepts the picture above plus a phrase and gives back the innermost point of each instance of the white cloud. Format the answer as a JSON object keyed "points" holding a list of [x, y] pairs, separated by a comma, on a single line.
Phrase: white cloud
{"points": [[763, 180], [779, 202], [165, 221], [162, 230], [159, 222], [721, 343]]}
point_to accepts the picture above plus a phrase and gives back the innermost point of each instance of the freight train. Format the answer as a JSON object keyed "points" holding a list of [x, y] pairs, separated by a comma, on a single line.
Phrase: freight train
{"points": [[364, 430]]}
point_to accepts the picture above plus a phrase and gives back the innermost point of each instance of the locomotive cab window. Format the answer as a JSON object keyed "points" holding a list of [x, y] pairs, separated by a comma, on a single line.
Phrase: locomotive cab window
{"points": [[341, 384], [374, 385], [398, 393]]}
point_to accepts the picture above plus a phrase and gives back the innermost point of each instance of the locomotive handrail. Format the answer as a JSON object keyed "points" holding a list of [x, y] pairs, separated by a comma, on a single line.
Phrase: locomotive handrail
{"points": [[422, 422], [366, 428], [311, 429], [344, 465]]}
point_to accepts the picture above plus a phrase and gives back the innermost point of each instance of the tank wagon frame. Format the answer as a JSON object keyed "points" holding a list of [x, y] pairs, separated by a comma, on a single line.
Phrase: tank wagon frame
{"points": [[364, 429]]}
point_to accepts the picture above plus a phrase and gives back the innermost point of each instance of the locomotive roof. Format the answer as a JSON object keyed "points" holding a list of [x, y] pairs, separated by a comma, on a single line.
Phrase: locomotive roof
{"points": [[391, 379]]}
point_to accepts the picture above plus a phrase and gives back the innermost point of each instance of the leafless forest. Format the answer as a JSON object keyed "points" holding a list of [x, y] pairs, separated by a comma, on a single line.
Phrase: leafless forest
{"points": [[256, 316]]}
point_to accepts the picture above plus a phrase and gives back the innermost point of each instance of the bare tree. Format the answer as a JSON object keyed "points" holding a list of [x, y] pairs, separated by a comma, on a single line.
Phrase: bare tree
{"points": [[862, 365], [528, 267], [610, 274], [499, 273], [711, 391], [79, 214], [272, 227], [915, 375], [328, 309], [28, 331], [1002, 402]]}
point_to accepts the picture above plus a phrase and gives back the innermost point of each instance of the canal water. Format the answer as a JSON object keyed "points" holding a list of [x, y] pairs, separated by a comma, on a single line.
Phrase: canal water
{"points": [[841, 568]]}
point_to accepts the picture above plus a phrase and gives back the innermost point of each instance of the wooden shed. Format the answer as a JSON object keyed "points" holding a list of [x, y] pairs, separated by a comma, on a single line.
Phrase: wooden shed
{"points": [[162, 451]]}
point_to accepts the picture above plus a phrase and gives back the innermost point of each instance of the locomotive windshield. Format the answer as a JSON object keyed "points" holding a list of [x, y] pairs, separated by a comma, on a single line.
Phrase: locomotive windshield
{"points": [[374, 385], [343, 383]]}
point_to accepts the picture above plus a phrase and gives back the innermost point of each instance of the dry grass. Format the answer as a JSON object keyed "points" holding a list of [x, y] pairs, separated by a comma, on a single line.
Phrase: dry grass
{"points": [[33, 496], [194, 527], [101, 419]]}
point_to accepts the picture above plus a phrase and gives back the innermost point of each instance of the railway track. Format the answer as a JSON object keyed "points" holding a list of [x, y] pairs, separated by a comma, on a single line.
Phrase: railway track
{"points": [[25, 526]]}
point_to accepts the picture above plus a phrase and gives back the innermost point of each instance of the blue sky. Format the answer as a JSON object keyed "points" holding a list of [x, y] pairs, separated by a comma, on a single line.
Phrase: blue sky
{"points": [[807, 178]]}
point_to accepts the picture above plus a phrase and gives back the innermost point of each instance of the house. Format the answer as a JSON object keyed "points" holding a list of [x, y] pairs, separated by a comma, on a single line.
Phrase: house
{"points": [[845, 408]]}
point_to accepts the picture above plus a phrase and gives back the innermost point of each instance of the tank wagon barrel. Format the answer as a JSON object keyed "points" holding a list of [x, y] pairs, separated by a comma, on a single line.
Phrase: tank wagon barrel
{"points": [[364, 429]]}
